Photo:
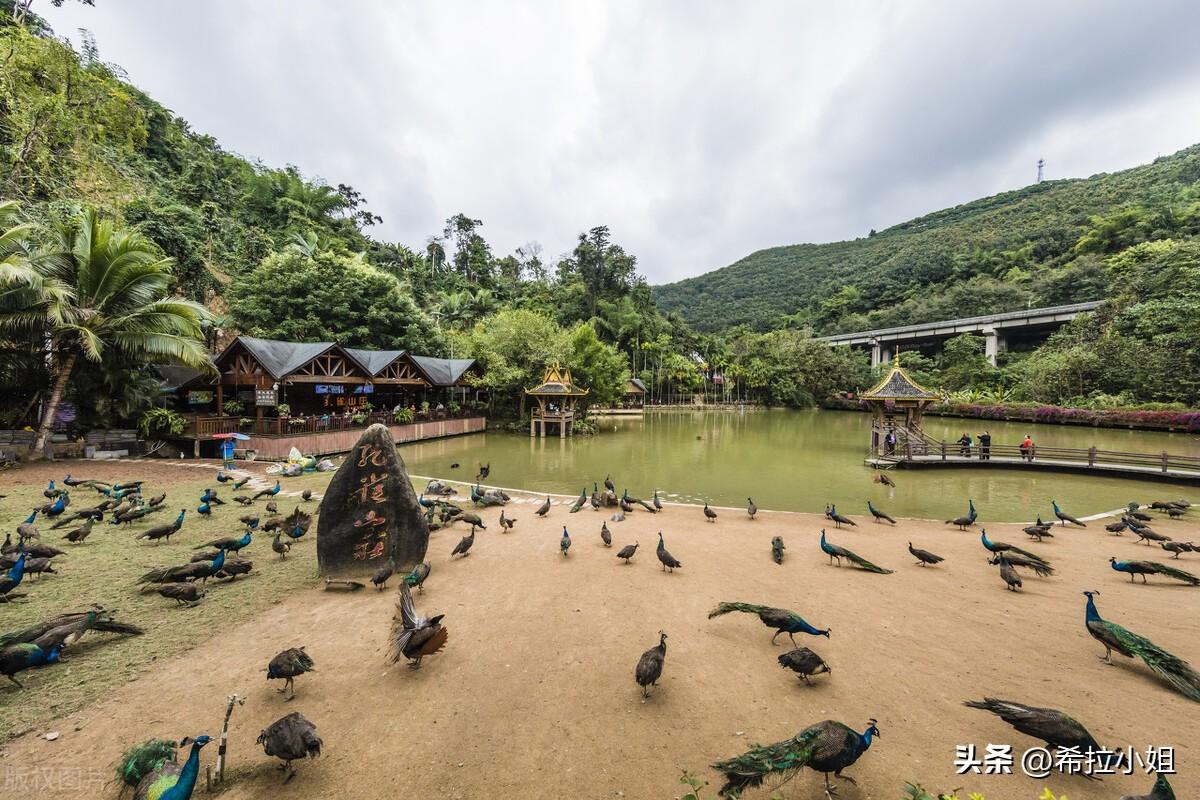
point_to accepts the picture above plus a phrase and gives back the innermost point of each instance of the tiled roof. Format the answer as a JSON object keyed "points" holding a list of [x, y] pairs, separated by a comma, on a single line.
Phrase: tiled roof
{"points": [[896, 385]]}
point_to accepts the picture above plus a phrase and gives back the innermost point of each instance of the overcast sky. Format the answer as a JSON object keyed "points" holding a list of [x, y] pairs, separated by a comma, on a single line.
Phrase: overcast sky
{"points": [[698, 132]]}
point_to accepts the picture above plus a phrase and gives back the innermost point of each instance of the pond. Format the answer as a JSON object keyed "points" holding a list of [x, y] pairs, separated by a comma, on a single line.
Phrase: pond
{"points": [[799, 461]]}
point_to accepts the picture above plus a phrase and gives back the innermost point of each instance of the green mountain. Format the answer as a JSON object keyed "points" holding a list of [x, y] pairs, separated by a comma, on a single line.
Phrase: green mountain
{"points": [[1043, 244]]}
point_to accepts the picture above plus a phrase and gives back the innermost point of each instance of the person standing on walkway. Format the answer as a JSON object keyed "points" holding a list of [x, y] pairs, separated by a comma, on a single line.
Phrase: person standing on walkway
{"points": [[1027, 449], [964, 443], [985, 446], [227, 447]]}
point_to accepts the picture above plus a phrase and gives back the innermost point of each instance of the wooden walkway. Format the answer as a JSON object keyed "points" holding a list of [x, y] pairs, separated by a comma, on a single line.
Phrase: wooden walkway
{"points": [[926, 452]]}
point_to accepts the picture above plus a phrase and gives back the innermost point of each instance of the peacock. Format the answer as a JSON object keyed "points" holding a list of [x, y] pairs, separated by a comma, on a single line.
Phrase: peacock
{"points": [[151, 770], [804, 662], [777, 549], [418, 575], [506, 523], [274, 490], [1008, 574], [211, 498], [608, 484], [196, 570], [544, 508], [380, 577], [627, 552], [204, 510], [471, 519], [885, 480], [1148, 536], [18, 657], [594, 498], [709, 514], [1049, 725], [564, 544], [414, 636], [839, 519], [77, 535], [290, 738], [877, 514], [751, 509], [1042, 570], [1041, 530], [1179, 547], [289, 665], [1117, 527], [271, 507], [578, 504], [1145, 568], [242, 500], [67, 628], [605, 535], [1006, 548], [230, 543], [306, 495], [27, 530], [1161, 790], [58, 506], [658, 506], [279, 546], [827, 747], [837, 552], [668, 561], [463, 548], [1174, 670], [223, 478], [965, 522], [782, 620], [924, 557], [12, 579], [1064, 517], [650, 666], [182, 593]]}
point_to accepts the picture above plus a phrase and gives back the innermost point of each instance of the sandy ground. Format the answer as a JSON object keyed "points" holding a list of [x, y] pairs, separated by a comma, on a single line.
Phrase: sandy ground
{"points": [[534, 695]]}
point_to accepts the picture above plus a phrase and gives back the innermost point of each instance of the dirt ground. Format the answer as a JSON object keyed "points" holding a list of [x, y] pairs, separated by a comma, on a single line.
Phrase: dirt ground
{"points": [[534, 695]]}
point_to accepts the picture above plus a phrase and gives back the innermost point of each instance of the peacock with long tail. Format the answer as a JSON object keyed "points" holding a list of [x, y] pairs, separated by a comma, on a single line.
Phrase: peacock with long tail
{"points": [[668, 561], [777, 549], [578, 504], [68, 628], [650, 666], [804, 662], [1006, 548], [838, 552], [1161, 790], [289, 665], [1042, 570], [965, 522], [418, 575], [782, 620], [1144, 568], [827, 747], [1172, 669], [196, 570], [1041, 530], [924, 557], [231, 544], [412, 635], [274, 490], [151, 770], [18, 657], [1064, 517], [291, 738], [879, 515], [839, 520], [1051, 726]]}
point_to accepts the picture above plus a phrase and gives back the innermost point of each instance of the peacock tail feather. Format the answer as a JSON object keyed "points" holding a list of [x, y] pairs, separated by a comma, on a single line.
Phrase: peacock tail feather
{"points": [[725, 608], [140, 760], [862, 562], [1177, 574], [752, 767], [1172, 669]]}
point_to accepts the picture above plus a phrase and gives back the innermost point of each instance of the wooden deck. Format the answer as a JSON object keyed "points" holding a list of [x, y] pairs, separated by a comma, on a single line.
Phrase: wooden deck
{"points": [[918, 452]]}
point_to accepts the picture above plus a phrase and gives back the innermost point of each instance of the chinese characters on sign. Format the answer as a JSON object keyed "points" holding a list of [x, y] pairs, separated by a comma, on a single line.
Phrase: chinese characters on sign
{"points": [[1040, 762], [372, 492]]}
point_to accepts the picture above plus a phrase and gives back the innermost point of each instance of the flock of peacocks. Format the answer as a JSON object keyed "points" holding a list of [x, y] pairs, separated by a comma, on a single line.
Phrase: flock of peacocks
{"points": [[829, 747]]}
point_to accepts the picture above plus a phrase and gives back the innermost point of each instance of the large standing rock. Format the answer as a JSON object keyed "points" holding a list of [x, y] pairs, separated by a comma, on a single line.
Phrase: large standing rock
{"points": [[369, 512]]}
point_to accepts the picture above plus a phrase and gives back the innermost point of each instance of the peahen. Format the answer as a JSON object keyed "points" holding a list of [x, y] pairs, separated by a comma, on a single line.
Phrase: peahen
{"points": [[827, 747], [27, 530], [279, 546], [380, 577], [151, 769], [291, 738], [234, 567], [668, 561], [418, 575], [1006, 548], [463, 548], [182, 593], [608, 483], [544, 508], [837, 552], [804, 662], [289, 665], [1064, 517], [965, 522], [506, 523], [1041, 530], [1174, 670], [924, 557], [627, 552], [1049, 725], [412, 635], [782, 620], [1008, 574], [650, 666], [77, 535], [18, 657], [605, 535], [658, 506], [1145, 568], [1179, 547], [751, 509], [777, 549], [578, 504], [839, 519], [564, 544], [877, 514], [306, 495], [709, 514], [1161, 790], [1042, 570]]}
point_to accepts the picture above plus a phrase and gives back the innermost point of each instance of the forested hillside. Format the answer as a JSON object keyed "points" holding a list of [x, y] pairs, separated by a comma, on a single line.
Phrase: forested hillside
{"points": [[1044, 244]]}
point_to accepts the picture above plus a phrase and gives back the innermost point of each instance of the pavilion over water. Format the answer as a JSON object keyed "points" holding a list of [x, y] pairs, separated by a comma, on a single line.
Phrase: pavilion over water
{"points": [[897, 403], [556, 397]]}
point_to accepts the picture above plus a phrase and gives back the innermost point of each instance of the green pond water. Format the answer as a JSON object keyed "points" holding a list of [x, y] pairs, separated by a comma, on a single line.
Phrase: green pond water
{"points": [[799, 461]]}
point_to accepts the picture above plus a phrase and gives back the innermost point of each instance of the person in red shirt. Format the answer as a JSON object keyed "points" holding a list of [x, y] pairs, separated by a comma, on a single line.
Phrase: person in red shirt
{"points": [[1027, 448]]}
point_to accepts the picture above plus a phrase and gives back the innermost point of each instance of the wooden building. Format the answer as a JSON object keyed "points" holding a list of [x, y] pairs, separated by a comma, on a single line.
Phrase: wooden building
{"points": [[897, 403], [556, 397]]}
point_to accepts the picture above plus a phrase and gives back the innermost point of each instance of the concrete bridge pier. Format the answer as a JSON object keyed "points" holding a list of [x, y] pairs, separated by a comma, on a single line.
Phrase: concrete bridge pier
{"points": [[994, 344], [880, 353]]}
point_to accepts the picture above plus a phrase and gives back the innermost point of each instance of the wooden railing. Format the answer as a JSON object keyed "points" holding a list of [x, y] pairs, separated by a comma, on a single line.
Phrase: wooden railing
{"points": [[917, 446], [205, 427]]}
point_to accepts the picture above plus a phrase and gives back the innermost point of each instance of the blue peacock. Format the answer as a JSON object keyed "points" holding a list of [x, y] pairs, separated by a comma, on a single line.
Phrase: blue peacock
{"points": [[839, 552], [782, 620], [1144, 568], [1173, 669], [153, 772]]}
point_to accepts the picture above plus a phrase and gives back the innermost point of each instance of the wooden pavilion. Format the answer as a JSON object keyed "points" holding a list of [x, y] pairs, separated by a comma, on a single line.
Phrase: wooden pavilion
{"points": [[556, 398], [897, 403]]}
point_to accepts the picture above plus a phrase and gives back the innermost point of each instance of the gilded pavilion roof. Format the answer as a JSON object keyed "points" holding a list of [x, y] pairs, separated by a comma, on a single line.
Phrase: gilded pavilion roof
{"points": [[558, 383], [897, 385]]}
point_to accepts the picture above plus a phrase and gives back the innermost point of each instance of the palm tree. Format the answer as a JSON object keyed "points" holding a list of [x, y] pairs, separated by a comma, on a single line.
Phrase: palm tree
{"points": [[95, 290]]}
